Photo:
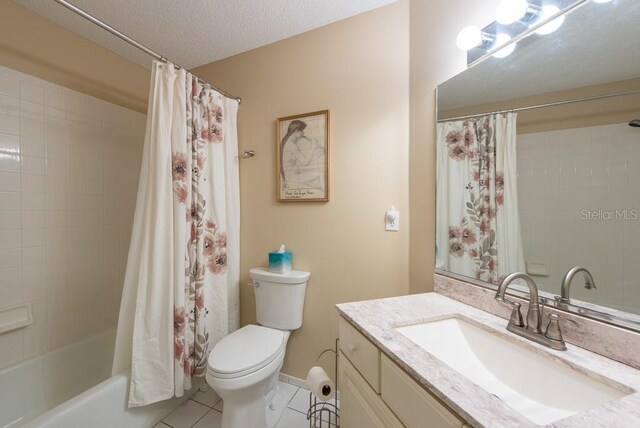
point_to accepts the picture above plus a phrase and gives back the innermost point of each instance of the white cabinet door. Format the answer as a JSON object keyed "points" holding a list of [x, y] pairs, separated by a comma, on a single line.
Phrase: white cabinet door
{"points": [[414, 406], [360, 406]]}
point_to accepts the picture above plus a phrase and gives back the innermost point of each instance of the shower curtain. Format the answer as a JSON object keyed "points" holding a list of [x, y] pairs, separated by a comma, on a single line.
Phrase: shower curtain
{"points": [[478, 224], [180, 293]]}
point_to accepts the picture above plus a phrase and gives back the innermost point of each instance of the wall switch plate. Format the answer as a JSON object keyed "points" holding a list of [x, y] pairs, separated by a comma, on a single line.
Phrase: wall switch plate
{"points": [[392, 220]]}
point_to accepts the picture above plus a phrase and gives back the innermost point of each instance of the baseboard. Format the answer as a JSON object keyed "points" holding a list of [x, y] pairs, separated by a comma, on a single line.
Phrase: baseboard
{"points": [[293, 380]]}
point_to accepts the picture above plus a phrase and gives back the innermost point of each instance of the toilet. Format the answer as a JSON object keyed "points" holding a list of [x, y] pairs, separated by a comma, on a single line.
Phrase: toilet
{"points": [[243, 367]]}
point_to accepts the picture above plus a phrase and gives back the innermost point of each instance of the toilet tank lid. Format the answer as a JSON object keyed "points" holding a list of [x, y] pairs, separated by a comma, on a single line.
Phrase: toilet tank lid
{"points": [[292, 277]]}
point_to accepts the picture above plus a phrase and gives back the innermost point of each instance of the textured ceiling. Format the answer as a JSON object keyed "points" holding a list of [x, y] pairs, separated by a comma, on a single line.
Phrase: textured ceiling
{"points": [[196, 32], [598, 43]]}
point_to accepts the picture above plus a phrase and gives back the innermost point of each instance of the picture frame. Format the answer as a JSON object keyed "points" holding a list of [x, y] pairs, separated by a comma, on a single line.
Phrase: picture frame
{"points": [[302, 153]]}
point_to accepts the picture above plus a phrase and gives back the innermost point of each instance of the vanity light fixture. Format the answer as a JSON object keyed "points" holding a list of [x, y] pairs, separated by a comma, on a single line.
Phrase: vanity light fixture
{"points": [[501, 39], [472, 37], [510, 11], [513, 19], [548, 12]]}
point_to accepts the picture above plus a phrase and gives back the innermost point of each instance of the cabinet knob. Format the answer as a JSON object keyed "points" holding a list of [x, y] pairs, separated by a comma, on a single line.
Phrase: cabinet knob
{"points": [[351, 347]]}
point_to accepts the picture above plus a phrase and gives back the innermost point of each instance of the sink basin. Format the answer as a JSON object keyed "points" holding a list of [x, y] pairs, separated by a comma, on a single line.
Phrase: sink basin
{"points": [[539, 388]]}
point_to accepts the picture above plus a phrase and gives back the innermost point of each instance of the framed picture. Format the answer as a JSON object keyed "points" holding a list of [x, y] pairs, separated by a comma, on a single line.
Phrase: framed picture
{"points": [[303, 157]]}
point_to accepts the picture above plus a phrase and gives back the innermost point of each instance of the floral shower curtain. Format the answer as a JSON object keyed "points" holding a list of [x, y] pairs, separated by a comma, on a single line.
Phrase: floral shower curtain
{"points": [[181, 285], [478, 225]]}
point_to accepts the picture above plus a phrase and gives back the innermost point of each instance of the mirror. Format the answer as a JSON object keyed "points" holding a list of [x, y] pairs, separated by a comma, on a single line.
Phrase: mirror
{"points": [[539, 163]]}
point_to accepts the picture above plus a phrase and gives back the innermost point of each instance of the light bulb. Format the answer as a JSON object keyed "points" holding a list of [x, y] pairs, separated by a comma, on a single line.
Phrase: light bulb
{"points": [[510, 11], [548, 12], [469, 38], [501, 39]]}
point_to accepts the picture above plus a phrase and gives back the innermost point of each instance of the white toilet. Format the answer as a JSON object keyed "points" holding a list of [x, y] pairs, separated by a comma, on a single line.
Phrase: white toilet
{"points": [[243, 367]]}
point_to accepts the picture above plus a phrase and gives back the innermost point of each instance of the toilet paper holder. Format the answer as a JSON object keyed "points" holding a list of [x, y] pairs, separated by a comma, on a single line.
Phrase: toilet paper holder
{"points": [[325, 413]]}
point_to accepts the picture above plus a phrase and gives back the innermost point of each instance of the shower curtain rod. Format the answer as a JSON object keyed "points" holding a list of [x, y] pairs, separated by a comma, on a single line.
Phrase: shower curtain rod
{"points": [[129, 40], [536, 106]]}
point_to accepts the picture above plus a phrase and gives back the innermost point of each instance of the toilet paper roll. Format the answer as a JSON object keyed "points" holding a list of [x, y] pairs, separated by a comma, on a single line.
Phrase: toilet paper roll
{"points": [[319, 384]]}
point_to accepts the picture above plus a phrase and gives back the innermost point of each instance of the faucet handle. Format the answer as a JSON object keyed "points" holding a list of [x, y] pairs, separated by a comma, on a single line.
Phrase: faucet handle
{"points": [[516, 315], [553, 330]]}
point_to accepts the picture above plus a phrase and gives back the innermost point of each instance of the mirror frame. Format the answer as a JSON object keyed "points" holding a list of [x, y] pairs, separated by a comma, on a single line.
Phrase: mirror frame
{"points": [[605, 314]]}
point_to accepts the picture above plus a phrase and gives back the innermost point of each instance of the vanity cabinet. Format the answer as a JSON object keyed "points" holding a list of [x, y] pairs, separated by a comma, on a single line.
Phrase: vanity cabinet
{"points": [[376, 392]]}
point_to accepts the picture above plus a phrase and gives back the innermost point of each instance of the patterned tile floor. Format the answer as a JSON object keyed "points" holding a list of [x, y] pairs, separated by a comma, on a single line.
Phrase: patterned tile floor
{"points": [[204, 410]]}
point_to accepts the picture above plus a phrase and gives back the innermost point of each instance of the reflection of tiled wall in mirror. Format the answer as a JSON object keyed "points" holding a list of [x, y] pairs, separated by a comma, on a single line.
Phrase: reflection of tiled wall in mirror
{"points": [[579, 195]]}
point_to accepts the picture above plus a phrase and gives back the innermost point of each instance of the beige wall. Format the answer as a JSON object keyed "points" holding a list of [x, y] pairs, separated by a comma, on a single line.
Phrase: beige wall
{"points": [[36, 46], [434, 59], [359, 70]]}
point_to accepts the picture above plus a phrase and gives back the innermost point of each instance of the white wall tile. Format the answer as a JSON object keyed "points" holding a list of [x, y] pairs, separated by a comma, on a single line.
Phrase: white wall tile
{"points": [[34, 255], [31, 111], [56, 134], [34, 280], [34, 219], [9, 124], [54, 188], [33, 201], [9, 200], [9, 162], [53, 98], [56, 184], [10, 258], [34, 183], [10, 239], [32, 147], [9, 104], [10, 220], [31, 92], [9, 143], [10, 296], [10, 278], [31, 128], [33, 165], [9, 86]]}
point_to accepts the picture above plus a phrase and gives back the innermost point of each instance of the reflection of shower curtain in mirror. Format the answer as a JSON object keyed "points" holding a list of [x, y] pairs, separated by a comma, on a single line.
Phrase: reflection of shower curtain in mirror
{"points": [[478, 226]]}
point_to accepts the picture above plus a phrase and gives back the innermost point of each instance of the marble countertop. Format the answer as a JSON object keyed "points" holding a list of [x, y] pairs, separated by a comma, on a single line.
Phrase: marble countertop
{"points": [[376, 319]]}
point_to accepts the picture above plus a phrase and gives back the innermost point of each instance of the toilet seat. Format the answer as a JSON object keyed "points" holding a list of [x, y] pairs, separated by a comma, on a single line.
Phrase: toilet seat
{"points": [[245, 351]]}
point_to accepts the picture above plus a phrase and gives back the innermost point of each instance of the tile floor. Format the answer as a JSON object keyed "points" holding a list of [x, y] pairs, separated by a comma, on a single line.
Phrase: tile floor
{"points": [[204, 410]]}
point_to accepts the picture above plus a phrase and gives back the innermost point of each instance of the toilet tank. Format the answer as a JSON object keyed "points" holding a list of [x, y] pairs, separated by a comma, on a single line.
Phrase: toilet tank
{"points": [[279, 297]]}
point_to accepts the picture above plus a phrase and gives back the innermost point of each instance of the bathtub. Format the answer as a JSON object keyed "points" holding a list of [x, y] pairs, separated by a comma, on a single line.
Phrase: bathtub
{"points": [[73, 387]]}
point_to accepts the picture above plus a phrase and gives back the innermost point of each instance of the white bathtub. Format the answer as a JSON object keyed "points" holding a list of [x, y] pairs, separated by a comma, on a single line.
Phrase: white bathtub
{"points": [[72, 387]]}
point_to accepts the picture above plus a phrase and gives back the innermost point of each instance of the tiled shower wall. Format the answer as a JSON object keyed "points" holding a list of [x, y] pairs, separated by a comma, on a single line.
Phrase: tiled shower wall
{"points": [[69, 166], [560, 175]]}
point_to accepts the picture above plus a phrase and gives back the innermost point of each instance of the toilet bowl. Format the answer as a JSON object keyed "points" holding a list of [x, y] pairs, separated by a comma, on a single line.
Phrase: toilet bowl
{"points": [[243, 368]]}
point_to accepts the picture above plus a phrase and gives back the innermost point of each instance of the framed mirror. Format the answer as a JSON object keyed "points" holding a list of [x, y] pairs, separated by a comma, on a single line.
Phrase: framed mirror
{"points": [[539, 164]]}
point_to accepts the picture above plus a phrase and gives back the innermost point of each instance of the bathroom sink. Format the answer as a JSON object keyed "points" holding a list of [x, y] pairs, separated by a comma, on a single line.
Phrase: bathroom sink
{"points": [[539, 388]]}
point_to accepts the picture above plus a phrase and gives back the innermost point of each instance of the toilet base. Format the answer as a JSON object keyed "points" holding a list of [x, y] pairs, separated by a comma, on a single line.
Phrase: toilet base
{"points": [[254, 407], [276, 406]]}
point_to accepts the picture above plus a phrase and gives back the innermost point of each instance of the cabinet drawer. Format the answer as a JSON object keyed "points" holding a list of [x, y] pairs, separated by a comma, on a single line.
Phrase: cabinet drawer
{"points": [[362, 353], [410, 402]]}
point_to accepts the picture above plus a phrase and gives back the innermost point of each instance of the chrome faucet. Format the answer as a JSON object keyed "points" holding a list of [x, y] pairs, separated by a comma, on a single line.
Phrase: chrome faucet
{"points": [[589, 283], [552, 337]]}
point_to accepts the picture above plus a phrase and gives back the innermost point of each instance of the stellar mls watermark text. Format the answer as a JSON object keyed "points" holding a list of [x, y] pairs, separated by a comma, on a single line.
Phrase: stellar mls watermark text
{"points": [[610, 214]]}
